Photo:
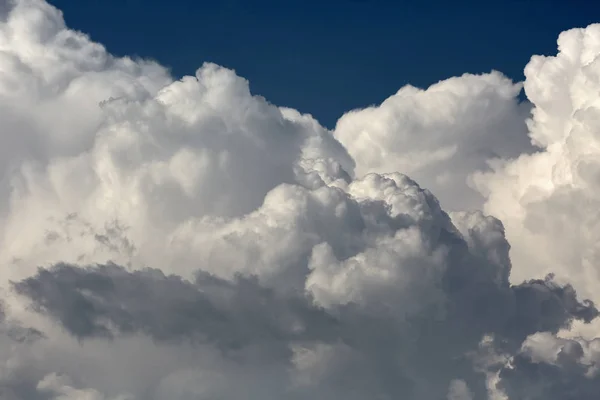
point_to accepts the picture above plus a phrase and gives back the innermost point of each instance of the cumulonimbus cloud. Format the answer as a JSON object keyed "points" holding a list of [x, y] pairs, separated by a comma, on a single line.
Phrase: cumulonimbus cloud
{"points": [[186, 239]]}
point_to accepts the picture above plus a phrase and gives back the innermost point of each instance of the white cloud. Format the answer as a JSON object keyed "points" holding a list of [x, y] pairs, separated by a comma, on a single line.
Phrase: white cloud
{"points": [[60, 387], [196, 241], [550, 201], [440, 135]]}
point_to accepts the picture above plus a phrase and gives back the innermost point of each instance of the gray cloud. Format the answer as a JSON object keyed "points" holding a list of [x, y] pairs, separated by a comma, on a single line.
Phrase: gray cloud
{"points": [[570, 372], [241, 316], [105, 300]]}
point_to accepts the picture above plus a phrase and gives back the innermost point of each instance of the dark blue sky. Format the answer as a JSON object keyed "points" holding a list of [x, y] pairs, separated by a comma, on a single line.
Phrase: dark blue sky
{"points": [[325, 57]]}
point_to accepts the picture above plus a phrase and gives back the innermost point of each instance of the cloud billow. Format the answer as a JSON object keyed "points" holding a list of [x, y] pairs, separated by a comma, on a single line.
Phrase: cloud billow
{"points": [[186, 239]]}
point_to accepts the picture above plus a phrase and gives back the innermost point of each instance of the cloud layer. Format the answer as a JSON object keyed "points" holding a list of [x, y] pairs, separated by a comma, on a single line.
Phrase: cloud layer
{"points": [[186, 239]]}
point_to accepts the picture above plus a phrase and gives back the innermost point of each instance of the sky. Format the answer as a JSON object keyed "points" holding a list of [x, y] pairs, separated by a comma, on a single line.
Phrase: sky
{"points": [[327, 57], [171, 231]]}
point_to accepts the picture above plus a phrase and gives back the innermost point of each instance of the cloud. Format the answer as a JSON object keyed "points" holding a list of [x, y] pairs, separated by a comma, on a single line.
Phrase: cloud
{"points": [[549, 200], [440, 135], [136, 162], [551, 368], [187, 239], [59, 387], [249, 323], [420, 282]]}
